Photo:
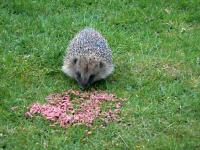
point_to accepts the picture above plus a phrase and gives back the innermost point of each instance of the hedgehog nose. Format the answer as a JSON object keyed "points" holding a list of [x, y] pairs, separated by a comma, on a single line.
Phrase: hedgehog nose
{"points": [[84, 82]]}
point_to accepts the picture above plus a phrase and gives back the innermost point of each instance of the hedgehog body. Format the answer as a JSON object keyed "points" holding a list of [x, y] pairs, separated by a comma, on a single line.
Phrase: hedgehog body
{"points": [[88, 58]]}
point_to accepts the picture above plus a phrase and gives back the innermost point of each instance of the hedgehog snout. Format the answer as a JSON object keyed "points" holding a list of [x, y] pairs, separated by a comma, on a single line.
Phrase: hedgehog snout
{"points": [[83, 83]]}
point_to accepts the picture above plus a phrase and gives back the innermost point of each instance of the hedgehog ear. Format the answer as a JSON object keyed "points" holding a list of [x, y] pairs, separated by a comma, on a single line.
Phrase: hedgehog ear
{"points": [[101, 64], [74, 60]]}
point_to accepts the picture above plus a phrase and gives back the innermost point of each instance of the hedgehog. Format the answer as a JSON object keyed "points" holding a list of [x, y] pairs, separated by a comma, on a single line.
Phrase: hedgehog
{"points": [[88, 58]]}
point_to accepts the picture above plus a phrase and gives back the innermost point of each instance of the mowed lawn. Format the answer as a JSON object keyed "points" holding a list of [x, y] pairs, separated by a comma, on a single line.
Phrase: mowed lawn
{"points": [[156, 52]]}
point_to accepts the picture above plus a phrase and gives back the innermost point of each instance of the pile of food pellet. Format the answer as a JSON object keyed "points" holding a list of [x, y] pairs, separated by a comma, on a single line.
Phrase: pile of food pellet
{"points": [[60, 109]]}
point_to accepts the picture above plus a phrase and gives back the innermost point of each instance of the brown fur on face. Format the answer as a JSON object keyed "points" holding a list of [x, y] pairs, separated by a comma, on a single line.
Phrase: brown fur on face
{"points": [[87, 70]]}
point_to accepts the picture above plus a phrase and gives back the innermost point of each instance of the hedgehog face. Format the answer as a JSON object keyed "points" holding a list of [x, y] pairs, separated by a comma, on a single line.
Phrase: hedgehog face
{"points": [[86, 70]]}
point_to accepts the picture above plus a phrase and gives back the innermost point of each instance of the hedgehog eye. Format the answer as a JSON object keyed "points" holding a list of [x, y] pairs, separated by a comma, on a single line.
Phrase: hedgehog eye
{"points": [[75, 60], [91, 78], [101, 64], [78, 75]]}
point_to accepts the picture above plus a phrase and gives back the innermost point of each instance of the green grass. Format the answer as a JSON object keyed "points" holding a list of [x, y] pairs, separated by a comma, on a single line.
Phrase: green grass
{"points": [[155, 46]]}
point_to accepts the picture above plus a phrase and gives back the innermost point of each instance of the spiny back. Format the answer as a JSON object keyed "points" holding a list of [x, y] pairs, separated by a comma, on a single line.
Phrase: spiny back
{"points": [[90, 42]]}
